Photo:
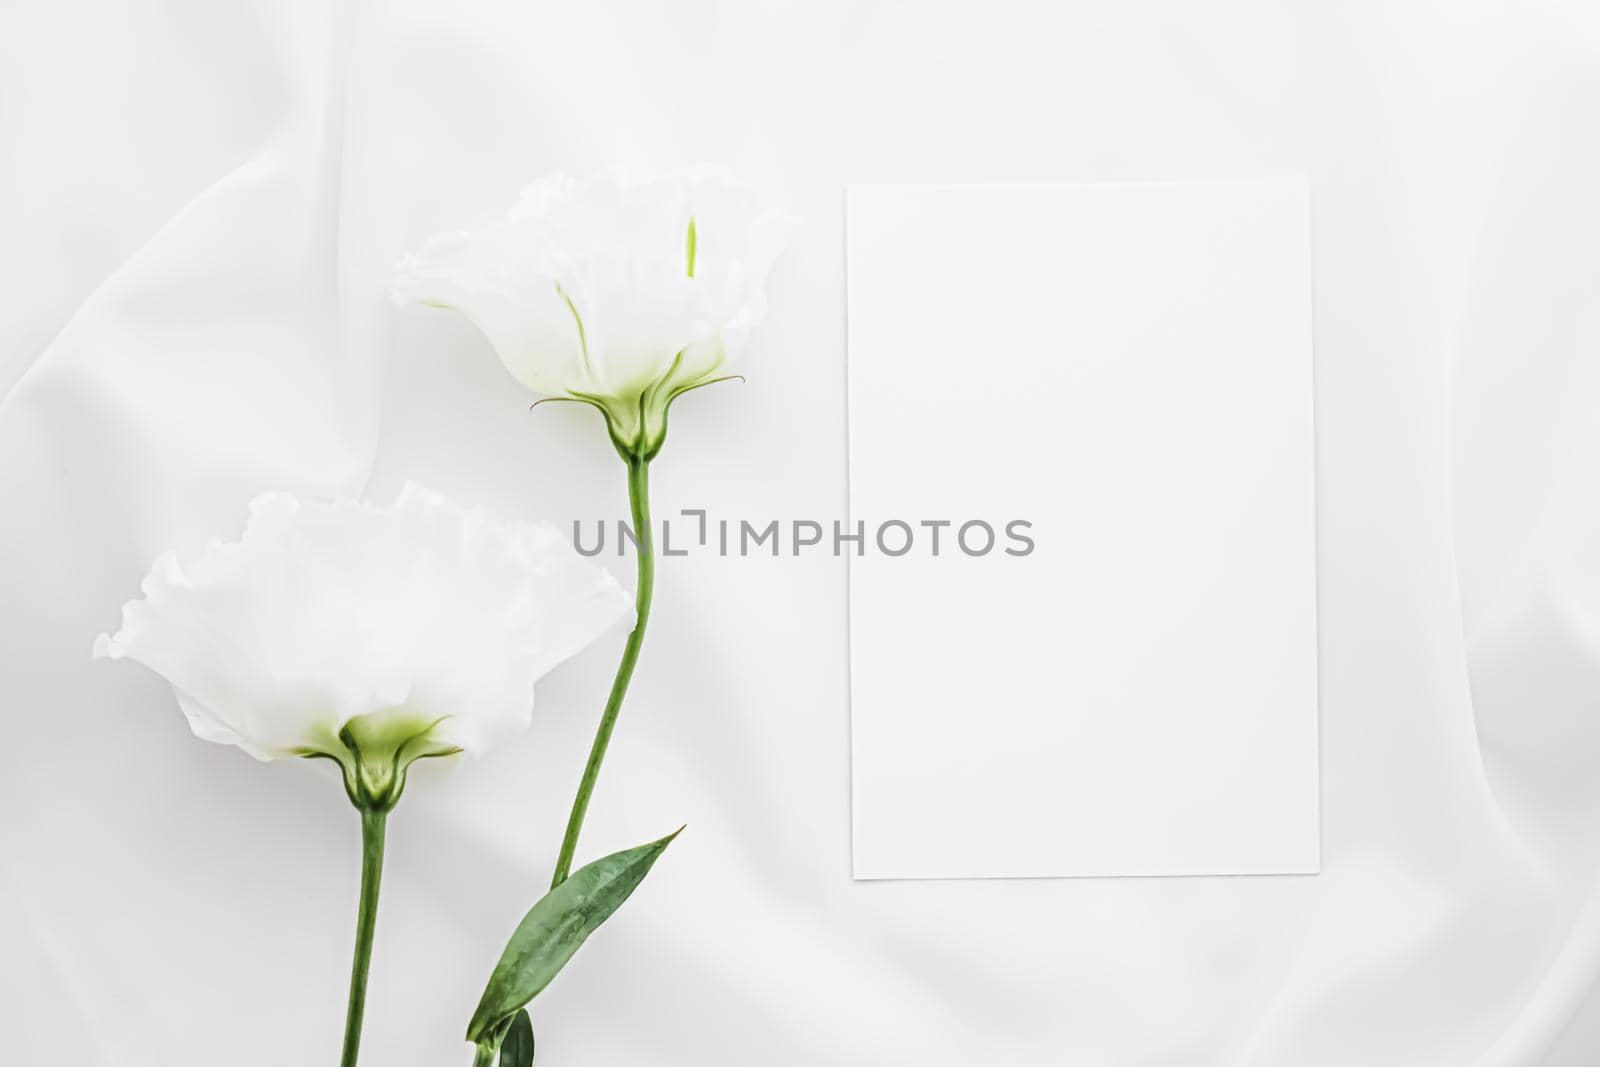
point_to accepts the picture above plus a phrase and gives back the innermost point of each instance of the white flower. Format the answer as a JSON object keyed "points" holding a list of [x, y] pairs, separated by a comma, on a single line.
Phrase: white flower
{"points": [[620, 294], [374, 636]]}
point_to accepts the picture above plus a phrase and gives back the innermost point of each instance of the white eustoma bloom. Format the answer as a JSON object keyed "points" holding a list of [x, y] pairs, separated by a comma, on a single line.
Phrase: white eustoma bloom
{"points": [[620, 294], [374, 636]]}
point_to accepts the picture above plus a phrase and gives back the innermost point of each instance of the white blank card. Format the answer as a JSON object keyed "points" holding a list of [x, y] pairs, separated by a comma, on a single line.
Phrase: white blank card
{"points": [[1126, 369]]}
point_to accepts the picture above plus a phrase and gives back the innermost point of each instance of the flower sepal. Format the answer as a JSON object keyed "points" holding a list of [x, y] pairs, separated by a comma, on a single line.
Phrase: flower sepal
{"points": [[375, 751], [637, 424]]}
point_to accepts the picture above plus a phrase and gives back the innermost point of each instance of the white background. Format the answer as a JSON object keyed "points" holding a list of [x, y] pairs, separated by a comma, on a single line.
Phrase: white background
{"points": [[201, 203]]}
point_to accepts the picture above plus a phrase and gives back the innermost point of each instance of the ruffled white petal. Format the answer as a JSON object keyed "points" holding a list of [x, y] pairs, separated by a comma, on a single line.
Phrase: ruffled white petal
{"points": [[584, 287], [325, 613]]}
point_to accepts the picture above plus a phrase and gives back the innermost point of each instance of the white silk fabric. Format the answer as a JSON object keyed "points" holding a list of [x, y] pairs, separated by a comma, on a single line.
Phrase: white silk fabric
{"points": [[202, 203]]}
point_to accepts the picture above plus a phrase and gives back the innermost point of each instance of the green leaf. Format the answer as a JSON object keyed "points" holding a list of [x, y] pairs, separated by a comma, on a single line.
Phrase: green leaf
{"points": [[517, 1048], [556, 927]]}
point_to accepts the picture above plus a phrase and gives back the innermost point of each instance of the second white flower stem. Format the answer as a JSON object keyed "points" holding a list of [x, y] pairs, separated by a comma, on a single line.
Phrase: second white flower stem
{"points": [[372, 834], [639, 505]]}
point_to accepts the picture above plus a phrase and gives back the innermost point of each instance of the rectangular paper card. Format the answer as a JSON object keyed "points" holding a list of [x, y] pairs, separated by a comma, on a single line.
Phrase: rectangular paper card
{"points": [[1098, 399]]}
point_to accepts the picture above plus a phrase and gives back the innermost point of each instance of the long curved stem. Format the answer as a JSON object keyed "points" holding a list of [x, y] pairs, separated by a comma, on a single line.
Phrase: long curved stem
{"points": [[639, 505], [372, 833]]}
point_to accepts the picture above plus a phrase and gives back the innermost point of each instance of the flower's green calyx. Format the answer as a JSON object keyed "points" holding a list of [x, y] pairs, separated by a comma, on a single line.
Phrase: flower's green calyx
{"points": [[638, 424], [375, 751]]}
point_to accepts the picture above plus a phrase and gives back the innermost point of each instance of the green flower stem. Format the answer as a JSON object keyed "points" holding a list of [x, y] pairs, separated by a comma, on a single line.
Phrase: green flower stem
{"points": [[639, 503], [484, 1056], [372, 830]]}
